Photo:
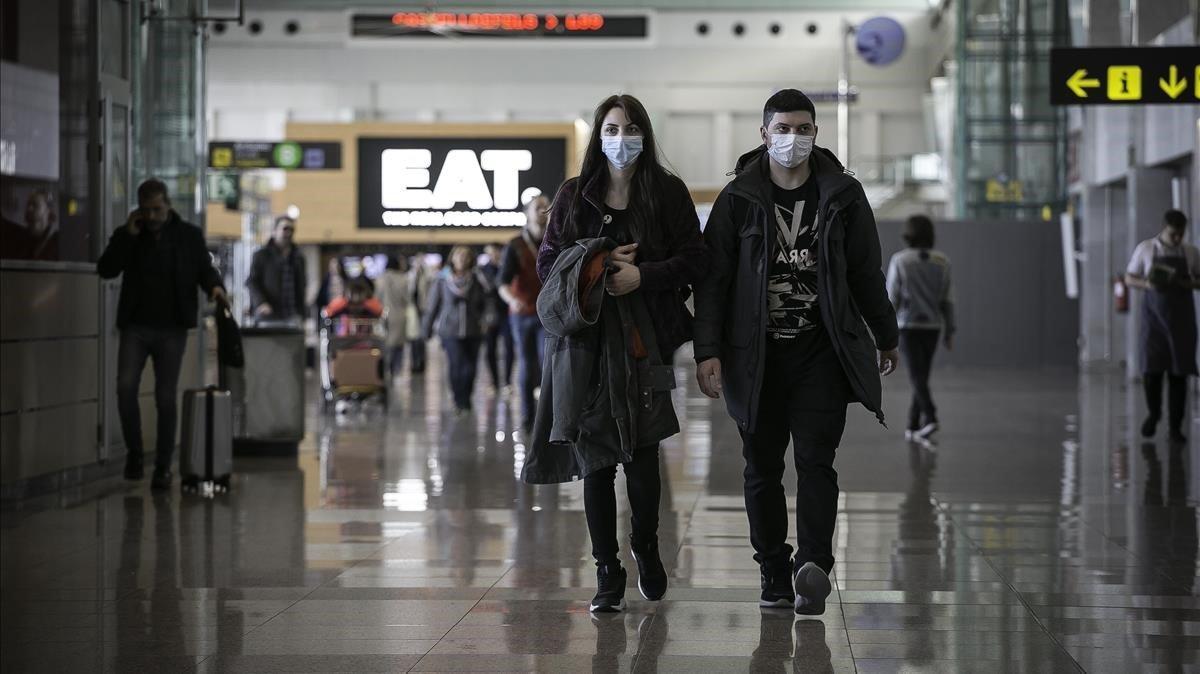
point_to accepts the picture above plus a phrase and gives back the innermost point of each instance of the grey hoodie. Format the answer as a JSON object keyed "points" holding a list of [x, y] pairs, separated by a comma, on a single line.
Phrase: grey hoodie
{"points": [[918, 284]]}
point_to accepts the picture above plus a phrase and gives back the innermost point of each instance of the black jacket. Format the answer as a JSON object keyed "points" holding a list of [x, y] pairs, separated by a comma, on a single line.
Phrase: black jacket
{"points": [[599, 402], [191, 262], [265, 283], [731, 301], [667, 270]]}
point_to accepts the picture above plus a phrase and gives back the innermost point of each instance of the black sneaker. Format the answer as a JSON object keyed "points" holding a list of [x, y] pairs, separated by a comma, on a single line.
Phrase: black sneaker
{"points": [[161, 480], [652, 577], [1149, 426], [133, 468], [777, 589], [610, 593], [812, 587], [1176, 436]]}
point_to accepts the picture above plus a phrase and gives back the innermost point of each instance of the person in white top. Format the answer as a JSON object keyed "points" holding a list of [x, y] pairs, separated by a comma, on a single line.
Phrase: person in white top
{"points": [[1168, 270]]}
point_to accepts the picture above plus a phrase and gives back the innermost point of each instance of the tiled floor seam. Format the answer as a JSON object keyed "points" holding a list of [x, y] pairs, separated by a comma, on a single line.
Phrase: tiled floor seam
{"points": [[845, 625], [1174, 583], [459, 622], [961, 531]]}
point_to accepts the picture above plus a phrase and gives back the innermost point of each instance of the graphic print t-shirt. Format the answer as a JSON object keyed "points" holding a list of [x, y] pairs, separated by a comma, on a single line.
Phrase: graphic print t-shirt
{"points": [[792, 286]]}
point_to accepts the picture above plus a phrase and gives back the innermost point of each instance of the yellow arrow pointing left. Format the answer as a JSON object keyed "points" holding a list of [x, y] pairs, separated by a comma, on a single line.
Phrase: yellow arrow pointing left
{"points": [[1175, 86], [1079, 81]]}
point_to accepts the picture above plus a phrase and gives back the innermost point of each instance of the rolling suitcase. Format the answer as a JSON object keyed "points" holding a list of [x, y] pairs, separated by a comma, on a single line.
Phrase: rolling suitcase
{"points": [[206, 450]]}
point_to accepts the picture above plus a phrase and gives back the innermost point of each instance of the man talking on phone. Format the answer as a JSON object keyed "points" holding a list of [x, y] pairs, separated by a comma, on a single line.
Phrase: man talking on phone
{"points": [[162, 260]]}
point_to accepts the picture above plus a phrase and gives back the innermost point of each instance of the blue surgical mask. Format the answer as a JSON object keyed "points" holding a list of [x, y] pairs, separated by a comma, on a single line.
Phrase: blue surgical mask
{"points": [[622, 151]]}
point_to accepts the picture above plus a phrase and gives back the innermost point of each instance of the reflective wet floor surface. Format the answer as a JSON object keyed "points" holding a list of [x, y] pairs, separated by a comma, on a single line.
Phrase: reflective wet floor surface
{"points": [[1038, 536]]}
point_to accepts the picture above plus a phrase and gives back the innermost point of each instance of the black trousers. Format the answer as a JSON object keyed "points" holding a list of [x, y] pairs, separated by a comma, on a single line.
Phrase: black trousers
{"points": [[165, 347], [600, 503], [1152, 382], [416, 358], [804, 397], [463, 357], [500, 367], [917, 346]]}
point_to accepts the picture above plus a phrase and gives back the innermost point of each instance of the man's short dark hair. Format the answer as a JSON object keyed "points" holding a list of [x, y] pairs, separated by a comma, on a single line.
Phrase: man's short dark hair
{"points": [[153, 188], [1175, 219], [788, 100], [285, 220], [918, 231]]}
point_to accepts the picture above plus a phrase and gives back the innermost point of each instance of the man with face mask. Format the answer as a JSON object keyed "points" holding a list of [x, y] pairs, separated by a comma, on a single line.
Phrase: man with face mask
{"points": [[1168, 269], [162, 261], [781, 329], [520, 286]]}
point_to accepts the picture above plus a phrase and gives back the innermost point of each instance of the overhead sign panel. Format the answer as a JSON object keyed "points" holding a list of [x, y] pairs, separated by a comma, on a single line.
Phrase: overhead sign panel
{"points": [[504, 25], [454, 182], [289, 155], [1124, 75]]}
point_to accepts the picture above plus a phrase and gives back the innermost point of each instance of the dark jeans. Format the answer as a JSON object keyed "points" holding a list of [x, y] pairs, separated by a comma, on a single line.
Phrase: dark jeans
{"points": [[600, 503], [463, 357], [530, 339], [917, 347], [1152, 383], [395, 359], [803, 398], [495, 336], [165, 346], [416, 358]]}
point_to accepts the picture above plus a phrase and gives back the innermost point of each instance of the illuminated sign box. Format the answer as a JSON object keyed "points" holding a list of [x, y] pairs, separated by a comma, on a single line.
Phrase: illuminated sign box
{"points": [[507, 25], [406, 183], [1124, 75], [287, 155]]}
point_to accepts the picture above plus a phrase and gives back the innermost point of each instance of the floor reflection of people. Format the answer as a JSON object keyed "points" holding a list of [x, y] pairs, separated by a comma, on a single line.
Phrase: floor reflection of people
{"points": [[158, 621], [1168, 544], [923, 554], [783, 641]]}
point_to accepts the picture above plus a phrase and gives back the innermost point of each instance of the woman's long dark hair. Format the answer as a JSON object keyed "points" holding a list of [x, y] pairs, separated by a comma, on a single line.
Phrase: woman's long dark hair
{"points": [[649, 177]]}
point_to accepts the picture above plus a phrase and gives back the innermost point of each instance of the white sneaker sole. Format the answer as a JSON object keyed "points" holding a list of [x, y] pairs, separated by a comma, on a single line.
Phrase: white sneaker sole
{"points": [[812, 584], [593, 608], [778, 603]]}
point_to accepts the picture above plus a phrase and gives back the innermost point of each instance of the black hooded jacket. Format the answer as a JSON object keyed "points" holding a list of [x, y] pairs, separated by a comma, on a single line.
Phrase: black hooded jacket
{"points": [[731, 301]]}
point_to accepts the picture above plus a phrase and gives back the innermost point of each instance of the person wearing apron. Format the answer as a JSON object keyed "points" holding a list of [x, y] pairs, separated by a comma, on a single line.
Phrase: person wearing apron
{"points": [[1169, 271]]}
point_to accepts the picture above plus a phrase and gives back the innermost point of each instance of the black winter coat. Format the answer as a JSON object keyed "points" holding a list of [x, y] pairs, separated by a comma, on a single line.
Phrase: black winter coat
{"points": [[731, 301], [191, 263], [667, 269]]}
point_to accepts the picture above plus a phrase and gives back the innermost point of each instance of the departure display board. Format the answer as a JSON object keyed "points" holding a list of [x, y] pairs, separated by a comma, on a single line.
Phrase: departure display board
{"points": [[501, 25], [454, 182], [1124, 75]]}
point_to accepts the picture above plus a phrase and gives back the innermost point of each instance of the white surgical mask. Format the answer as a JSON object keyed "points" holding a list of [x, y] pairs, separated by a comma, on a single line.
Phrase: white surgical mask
{"points": [[790, 149], [622, 151]]}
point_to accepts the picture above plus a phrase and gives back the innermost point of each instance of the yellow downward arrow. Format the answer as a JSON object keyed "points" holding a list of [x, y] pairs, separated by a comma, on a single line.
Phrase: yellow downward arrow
{"points": [[1175, 86], [1079, 80]]}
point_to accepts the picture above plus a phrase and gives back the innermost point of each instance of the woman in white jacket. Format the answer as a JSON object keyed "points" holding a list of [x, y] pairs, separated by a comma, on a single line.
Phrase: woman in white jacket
{"points": [[394, 291]]}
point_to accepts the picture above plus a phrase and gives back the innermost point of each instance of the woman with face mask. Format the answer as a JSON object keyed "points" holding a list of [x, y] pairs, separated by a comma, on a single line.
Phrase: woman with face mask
{"points": [[623, 193]]}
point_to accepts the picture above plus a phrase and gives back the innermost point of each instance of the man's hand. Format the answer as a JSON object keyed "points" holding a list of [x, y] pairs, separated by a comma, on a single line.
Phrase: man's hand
{"points": [[626, 253], [264, 309], [888, 360], [708, 375], [134, 222], [624, 279], [218, 295], [949, 341]]}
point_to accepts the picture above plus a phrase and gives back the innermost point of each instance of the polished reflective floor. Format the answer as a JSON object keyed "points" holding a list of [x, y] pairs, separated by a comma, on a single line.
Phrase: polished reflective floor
{"points": [[1039, 535]]}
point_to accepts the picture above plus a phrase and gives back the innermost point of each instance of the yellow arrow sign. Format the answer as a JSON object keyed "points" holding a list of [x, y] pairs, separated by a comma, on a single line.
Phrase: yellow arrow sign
{"points": [[1079, 80], [1175, 86]]}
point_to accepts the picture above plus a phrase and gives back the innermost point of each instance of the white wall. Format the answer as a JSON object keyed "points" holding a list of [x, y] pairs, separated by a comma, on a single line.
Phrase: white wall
{"points": [[705, 93]]}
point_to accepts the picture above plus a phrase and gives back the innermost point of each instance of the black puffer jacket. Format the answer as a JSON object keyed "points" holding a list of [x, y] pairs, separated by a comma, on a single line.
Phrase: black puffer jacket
{"points": [[731, 301]]}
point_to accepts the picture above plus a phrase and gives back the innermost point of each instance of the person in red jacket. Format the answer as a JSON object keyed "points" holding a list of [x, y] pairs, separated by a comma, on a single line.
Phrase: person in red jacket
{"points": [[520, 287]]}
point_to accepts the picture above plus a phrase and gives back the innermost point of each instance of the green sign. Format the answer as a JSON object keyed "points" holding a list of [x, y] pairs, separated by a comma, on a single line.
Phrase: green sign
{"points": [[287, 155], [1125, 75]]}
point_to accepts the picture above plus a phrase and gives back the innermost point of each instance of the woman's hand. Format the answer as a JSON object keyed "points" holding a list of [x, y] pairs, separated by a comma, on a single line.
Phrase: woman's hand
{"points": [[626, 253], [623, 279]]}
